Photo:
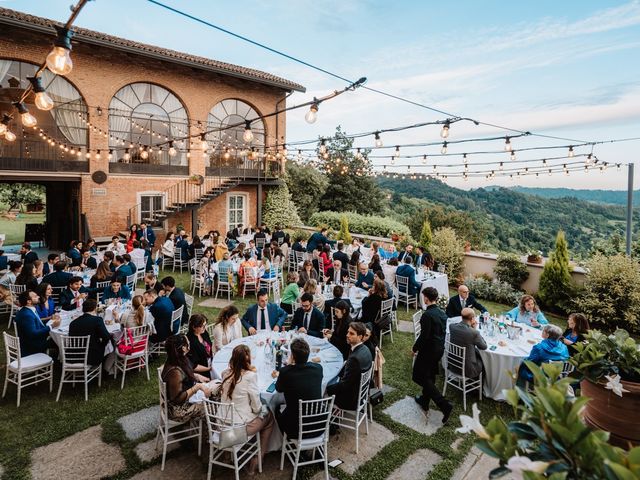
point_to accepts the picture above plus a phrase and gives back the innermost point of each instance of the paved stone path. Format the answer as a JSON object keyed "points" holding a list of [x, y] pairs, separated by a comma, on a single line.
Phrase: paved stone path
{"points": [[405, 326], [407, 412], [417, 466], [138, 424], [215, 303]]}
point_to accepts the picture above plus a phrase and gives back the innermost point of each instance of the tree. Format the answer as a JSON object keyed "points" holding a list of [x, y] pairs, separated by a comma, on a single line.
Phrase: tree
{"points": [[510, 269], [307, 185], [344, 234], [352, 186], [425, 235], [555, 285], [279, 209], [17, 195], [448, 249]]}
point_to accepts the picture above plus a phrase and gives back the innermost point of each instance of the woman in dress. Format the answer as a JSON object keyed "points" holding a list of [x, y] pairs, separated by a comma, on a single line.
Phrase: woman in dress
{"points": [[201, 351], [221, 249], [27, 277], [354, 261], [195, 245], [577, 328], [527, 312], [338, 336], [372, 304], [136, 316], [103, 274], [389, 270], [133, 235], [169, 246], [318, 299], [204, 270], [91, 246], [227, 327], [374, 264], [307, 273], [290, 293], [325, 256], [270, 270], [46, 307]]}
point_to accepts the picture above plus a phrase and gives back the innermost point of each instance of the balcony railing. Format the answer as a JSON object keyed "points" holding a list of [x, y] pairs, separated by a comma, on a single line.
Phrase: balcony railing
{"points": [[37, 155]]}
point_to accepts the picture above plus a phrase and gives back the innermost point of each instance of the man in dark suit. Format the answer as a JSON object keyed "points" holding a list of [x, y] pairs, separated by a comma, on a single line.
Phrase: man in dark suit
{"points": [[318, 238], [52, 259], [365, 277], [278, 235], [59, 278], [74, 254], [182, 244], [32, 332], [428, 350], [28, 255], [336, 274], [347, 389], [298, 246], [121, 270], [263, 315], [147, 234], [91, 324], [308, 319], [463, 300], [465, 334], [88, 261], [176, 295], [408, 250], [161, 309], [300, 380], [406, 270], [340, 255], [421, 258], [74, 295], [338, 291]]}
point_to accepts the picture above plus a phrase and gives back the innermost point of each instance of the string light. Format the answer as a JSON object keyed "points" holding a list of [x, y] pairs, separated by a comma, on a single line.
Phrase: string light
{"points": [[43, 101], [507, 144], [9, 136], [378, 141], [247, 136], [323, 148], [443, 150], [424, 159], [98, 155], [4, 124], [110, 156], [28, 120], [127, 155], [59, 59], [464, 159], [172, 150], [513, 155], [144, 154], [312, 114], [204, 146], [444, 133], [397, 154], [570, 151]]}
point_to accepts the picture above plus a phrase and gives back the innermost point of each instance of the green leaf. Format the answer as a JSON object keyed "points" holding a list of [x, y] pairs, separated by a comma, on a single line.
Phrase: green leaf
{"points": [[618, 471], [522, 430], [485, 447], [499, 472]]}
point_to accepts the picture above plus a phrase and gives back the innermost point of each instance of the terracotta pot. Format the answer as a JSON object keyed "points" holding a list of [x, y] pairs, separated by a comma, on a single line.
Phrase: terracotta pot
{"points": [[534, 259], [617, 415]]}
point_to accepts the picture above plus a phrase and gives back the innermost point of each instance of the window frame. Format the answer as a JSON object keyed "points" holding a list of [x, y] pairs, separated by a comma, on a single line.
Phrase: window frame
{"points": [[245, 210], [152, 193]]}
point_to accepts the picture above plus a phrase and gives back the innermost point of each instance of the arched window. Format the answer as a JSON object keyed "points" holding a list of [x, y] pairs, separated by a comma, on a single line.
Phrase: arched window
{"points": [[144, 114], [227, 145]]}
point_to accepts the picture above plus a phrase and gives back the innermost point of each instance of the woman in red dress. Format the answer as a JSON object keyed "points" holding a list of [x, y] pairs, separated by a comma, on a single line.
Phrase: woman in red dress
{"points": [[133, 234]]}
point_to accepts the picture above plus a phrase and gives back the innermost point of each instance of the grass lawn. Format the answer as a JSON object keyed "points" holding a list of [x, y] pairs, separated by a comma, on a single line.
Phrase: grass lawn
{"points": [[14, 229], [40, 420]]}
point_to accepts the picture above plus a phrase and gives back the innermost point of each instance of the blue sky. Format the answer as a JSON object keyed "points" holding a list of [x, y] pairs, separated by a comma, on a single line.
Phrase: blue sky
{"points": [[570, 68]]}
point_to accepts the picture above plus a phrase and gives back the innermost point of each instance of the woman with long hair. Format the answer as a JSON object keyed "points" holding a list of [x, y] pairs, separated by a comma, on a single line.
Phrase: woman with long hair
{"points": [[354, 261], [372, 304], [318, 299], [307, 273], [103, 273], [577, 328], [27, 277], [46, 307], [240, 387], [325, 256], [136, 316], [203, 269], [527, 312], [133, 235], [201, 351], [338, 336], [227, 327], [169, 246], [374, 264]]}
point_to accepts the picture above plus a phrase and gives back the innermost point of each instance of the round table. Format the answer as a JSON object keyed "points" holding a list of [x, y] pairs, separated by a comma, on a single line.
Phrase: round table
{"points": [[437, 280], [355, 295]]}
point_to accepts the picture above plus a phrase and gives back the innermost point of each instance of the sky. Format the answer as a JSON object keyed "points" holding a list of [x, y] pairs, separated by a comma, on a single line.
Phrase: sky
{"points": [[567, 69]]}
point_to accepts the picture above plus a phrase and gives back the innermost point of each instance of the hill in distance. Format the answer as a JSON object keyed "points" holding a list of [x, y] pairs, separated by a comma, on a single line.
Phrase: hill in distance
{"points": [[613, 197]]}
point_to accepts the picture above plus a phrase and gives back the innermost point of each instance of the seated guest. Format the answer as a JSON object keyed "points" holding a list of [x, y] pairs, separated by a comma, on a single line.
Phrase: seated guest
{"points": [[27, 277], [260, 234], [299, 245], [151, 282], [138, 255], [372, 304], [136, 316], [408, 250], [527, 312], [74, 295], [308, 319], [299, 380], [89, 323], [461, 301], [116, 291], [176, 295], [74, 253], [388, 252], [133, 236], [252, 250], [220, 250], [201, 350], [87, 261], [465, 334], [374, 264], [91, 246], [337, 336], [347, 389], [108, 257], [336, 274], [168, 247], [265, 229], [46, 307], [279, 234], [129, 264], [291, 293], [550, 349], [38, 266], [317, 238], [354, 246], [365, 277], [354, 261], [26, 254], [264, 315], [121, 269], [115, 246], [387, 285], [406, 270], [307, 273], [161, 309], [577, 328], [9, 278], [148, 255], [249, 230], [338, 292], [195, 245], [237, 252], [103, 274], [32, 331], [311, 287], [146, 233], [340, 255], [181, 234], [227, 327], [59, 278], [248, 263], [325, 256], [182, 382], [270, 271], [182, 244], [225, 269], [52, 259]]}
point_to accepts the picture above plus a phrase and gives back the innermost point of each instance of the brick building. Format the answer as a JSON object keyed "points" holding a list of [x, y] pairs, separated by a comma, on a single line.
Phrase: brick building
{"points": [[110, 163]]}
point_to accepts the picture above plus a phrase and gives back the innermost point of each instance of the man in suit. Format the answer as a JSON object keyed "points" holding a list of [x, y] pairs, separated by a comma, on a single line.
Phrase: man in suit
{"points": [[33, 334], [298, 245], [248, 231], [365, 277], [461, 301], [161, 309], [279, 234], [421, 258], [74, 295], [28, 255], [147, 234], [59, 278], [338, 291], [88, 261], [318, 238], [336, 274], [74, 253], [408, 250], [176, 295], [121, 270], [91, 324], [465, 334], [265, 229], [52, 259], [263, 315], [182, 244], [406, 270], [308, 319], [340, 255], [300, 380], [347, 389], [428, 350]]}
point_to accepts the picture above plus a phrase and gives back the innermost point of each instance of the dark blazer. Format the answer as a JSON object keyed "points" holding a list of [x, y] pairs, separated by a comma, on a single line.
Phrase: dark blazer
{"points": [[177, 298], [91, 263], [401, 256], [75, 256], [465, 336], [343, 257], [316, 321], [58, 279], [371, 306], [66, 300], [297, 247], [46, 310], [151, 237], [344, 273], [368, 279], [123, 293], [122, 272], [347, 388], [316, 239], [183, 245], [161, 309], [47, 269], [32, 332], [297, 382], [279, 234], [430, 344], [30, 257], [405, 270], [332, 303], [304, 277], [198, 352], [339, 338], [277, 316], [88, 324], [454, 308]]}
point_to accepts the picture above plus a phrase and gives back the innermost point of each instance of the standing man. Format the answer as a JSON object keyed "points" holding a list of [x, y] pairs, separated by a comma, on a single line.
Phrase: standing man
{"points": [[147, 234], [263, 316], [28, 255], [461, 301], [465, 334], [428, 351], [318, 238]]}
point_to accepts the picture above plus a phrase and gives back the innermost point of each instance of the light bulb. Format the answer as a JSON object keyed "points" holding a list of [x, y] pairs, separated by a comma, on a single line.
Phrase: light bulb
{"points": [[3, 128], [127, 156], [28, 120], [204, 146], [378, 141], [144, 154], [285, 152], [323, 148], [247, 136], [98, 155], [443, 150], [397, 154], [571, 151], [110, 156], [88, 155], [312, 114], [172, 151], [507, 144], [513, 155], [44, 101], [59, 61], [9, 136], [444, 133], [424, 159], [226, 154]]}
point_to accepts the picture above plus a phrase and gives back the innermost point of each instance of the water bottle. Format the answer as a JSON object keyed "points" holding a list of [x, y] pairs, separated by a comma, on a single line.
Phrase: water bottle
{"points": [[278, 359]]}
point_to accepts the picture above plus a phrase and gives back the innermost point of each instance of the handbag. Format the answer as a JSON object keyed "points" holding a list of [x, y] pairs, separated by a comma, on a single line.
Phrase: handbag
{"points": [[376, 398], [126, 346], [232, 435], [382, 322]]}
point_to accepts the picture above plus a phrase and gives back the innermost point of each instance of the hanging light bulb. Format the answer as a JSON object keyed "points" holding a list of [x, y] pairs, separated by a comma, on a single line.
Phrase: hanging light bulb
{"points": [[172, 150], [393, 160], [378, 140], [323, 148], [589, 158], [507, 144], [110, 156], [4, 124], [312, 114], [28, 120], [88, 155], [247, 136], [501, 165], [98, 155], [127, 155], [618, 165], [9, 136], [226, 154], [397, 154], [513, 155], [424, 159], [444, 133], [464, 158], [43, 101], [443, 150], [59, 59], [285, 152], [144, 154], [571, 151], [204, 146]]}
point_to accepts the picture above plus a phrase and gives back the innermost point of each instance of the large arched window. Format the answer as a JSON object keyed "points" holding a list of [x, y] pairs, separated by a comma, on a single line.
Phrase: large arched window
{"points": [[64, 123], [228, 146], [144, 114]]}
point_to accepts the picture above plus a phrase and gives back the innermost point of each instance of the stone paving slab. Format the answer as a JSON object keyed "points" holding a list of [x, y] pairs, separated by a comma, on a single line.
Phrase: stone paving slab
{"points": [[478, 465], [82, 456], [407, 412], [343, 446], [138, 424], [215, 303], [405, 326], [146, 451], [418, 465]]}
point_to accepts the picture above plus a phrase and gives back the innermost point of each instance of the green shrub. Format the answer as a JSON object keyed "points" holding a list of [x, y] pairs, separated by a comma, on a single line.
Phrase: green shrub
{"points": [[610, 297], [494, 291], [448, 249], [510, 269], [556, 288], [426, 236], [360, 224], [344, 234], [279, 209]]}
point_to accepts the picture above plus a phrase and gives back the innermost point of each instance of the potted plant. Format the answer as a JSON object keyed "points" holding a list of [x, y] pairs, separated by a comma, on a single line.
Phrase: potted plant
{"points": [[534, 257], [548, 438], [467, 246], [610, 370], [196, 179]]}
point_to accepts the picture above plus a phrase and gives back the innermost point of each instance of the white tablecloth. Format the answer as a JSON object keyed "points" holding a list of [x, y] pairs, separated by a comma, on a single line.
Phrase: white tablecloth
{"points": [[67, 316], [439, 281], [355, 295], [13, 257]]}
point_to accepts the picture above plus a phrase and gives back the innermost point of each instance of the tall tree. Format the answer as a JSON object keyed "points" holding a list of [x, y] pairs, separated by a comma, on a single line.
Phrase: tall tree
{"points": [[307, 185], [555, 282], [279, 209]]}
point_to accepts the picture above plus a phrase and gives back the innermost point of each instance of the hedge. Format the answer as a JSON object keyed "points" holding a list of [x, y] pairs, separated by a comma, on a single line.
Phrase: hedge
{"points": [[361, 224]]}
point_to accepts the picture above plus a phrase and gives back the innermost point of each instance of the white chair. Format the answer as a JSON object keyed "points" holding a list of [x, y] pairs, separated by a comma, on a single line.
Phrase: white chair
{"points": [[176, 319], [198, 253], [193, 269], [25, 371], [55, 294], [170, 430], [15, 290], [198, 280], [188, 299], [141, 266], [417, 328], [353, 273], [219, 417], [292, 266], [271, 282], [100, 286], [130, 282], [225, 281], [299, 259], [166, 261], [138, 359], [75, 369], [313, 434], [260, 243], [250, 281], [276, 294], [403, 292], [178, 261], [454, 373], [352, 419], [386, 311]]}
